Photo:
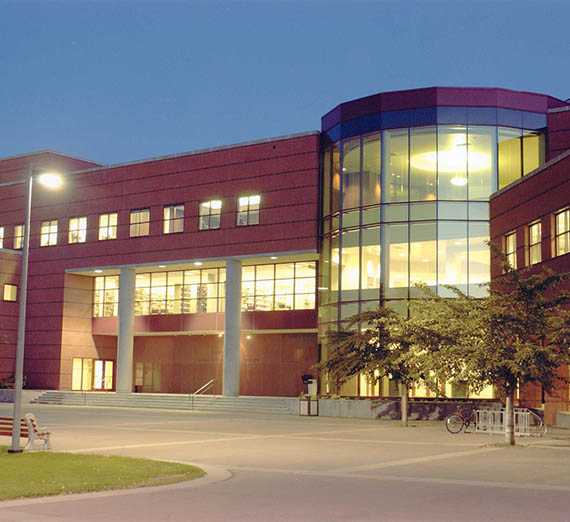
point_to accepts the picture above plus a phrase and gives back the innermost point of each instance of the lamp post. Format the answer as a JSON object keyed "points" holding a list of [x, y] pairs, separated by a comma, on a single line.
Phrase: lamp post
{"points": [[52, 180]]}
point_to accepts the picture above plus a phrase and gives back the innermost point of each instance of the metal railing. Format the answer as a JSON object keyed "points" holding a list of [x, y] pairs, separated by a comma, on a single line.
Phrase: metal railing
{"points": [[203, 389]]}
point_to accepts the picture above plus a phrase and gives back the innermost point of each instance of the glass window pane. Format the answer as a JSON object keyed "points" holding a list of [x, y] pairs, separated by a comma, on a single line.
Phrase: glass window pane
{"points": [[305, 285], [395, 160], [391, 213], [423, 164], [452, 162], [284, 302], [423, 255], [350, 219], [265, 272], [371, 151], [422, 211], [335, 262], [284, 270], [396, 266], [452, 256], [370, 215], [509, 156], [351, 173], [284, 286], [350, 260], [306, 269], [447, 210], [479, 259], [370, 279], [248, 273], [335, 179], [305, 301], [481, 161], [327, 182], [533, 151], [479, 211]]}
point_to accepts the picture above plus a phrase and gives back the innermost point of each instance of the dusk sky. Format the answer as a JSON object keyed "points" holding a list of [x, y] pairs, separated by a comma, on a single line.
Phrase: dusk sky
{"points": [[118, 81]]}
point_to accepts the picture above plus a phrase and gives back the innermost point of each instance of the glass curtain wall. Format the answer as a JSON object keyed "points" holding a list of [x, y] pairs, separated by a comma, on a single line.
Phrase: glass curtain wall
{"points": [[410, 205]]}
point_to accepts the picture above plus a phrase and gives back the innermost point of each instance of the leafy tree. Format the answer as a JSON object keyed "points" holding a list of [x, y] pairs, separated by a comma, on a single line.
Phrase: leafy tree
{"points": [[381, 343], [519, 334]]}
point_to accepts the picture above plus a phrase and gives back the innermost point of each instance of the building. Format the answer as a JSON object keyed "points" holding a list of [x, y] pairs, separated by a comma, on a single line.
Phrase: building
{"points": [[530, 219], [139, 272]]}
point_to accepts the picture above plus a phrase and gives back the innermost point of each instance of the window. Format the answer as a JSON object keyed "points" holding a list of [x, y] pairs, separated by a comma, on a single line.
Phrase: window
{"points": [[140, 221], [511, 248], [106, 296], [10, 293], [1, 237], [210, 212], [534, 239], [282, 286], [77, 230], [48, 233], [173, 219], [248, 211], [562, 232], [18, 236], [107, 226]]}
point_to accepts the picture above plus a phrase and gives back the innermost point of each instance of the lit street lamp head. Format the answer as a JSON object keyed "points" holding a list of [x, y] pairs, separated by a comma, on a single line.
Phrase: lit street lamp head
{"points": [[50, 179]]}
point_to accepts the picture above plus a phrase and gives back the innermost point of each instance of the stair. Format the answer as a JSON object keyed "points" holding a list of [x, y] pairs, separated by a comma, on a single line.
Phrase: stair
{"points": [[245, 404]]}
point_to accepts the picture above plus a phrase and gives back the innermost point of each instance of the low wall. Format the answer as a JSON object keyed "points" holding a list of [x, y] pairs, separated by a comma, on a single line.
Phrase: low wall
{"points": [[27, 395], [390, 409], [563, 419]]}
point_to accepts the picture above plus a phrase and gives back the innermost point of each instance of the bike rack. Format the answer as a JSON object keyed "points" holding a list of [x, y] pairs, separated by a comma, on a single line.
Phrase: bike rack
{"points": [[492, 421]]}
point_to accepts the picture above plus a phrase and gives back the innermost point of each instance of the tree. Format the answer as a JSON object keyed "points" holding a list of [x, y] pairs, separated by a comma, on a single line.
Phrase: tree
{"points": [[380, 343], [519, 334]]}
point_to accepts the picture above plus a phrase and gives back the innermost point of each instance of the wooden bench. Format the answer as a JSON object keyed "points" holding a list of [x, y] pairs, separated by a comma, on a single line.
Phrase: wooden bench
{"points": [[28, 428]]}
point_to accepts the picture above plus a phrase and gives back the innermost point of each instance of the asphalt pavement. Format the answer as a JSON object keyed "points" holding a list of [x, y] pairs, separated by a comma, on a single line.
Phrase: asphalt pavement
{"points": [[284, 468]]}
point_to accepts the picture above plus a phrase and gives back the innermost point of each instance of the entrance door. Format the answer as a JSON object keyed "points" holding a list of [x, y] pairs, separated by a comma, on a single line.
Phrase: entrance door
{"points": [[92, 374]]}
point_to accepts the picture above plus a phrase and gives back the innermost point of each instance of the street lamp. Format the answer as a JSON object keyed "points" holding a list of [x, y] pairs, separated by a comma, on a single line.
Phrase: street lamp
{"points": [[53, 181]]}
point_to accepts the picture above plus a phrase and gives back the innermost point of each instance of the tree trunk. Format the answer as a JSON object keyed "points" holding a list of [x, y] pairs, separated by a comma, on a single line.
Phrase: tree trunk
{"points": [[404, 405], [509, 419]]}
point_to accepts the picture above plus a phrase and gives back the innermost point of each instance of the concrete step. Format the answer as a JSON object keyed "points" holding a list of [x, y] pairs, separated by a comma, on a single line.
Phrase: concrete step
{"points": [[169, 401]]}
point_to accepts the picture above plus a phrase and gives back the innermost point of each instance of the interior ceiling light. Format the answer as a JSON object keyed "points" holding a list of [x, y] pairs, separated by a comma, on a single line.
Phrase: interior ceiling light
{"points": [[198, 263], [451, 161]]}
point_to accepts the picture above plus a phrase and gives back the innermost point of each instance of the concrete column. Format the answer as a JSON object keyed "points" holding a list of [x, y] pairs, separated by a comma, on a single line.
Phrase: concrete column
{"points": [[125, 341], [232, 328]]}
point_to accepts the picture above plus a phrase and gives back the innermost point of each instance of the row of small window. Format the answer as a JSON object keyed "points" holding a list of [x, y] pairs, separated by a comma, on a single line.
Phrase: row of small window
{"points": [[282, 286], [560, 244], [209, 218]]}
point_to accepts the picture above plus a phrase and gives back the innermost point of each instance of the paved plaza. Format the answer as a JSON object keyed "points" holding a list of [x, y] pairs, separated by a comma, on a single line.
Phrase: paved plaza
{"points": [[285, 468]]}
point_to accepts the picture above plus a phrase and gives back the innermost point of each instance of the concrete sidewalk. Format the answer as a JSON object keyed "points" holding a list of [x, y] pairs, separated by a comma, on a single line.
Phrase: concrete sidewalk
{"points": [[273, 467]]}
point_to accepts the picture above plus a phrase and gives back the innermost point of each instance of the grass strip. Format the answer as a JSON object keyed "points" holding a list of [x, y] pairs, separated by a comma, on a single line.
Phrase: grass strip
{"points": [[44, 473]]}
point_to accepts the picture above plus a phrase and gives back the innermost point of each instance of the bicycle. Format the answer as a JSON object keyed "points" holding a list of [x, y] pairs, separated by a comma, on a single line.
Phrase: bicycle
{"points": [[461, 419]]}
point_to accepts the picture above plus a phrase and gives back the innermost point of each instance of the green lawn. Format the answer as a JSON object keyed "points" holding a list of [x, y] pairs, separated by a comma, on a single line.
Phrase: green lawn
{"points": [[42, 473]]}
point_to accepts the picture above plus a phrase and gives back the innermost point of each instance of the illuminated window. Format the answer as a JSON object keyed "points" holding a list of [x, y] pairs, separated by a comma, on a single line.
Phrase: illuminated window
{"points": [[562, 232], [106, 296], [18, 236], [282, 286], [248, 211], [48, 233], [173, 219], [10, 293], [108, 226], [511, 248], [210, 213], [534, 239], [1, 237], [140, 222], [77, 230]]}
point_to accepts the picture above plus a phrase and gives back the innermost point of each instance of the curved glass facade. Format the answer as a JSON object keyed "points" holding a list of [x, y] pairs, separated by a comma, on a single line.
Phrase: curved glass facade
{"points": [[406, 205]]}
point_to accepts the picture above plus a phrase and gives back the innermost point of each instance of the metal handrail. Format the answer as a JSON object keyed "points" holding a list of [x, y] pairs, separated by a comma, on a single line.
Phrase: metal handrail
{"points": [[202, 389]]}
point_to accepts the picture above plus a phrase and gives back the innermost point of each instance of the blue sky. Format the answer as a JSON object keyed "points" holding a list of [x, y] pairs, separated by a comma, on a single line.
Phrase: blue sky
{"points": [[117, 81]]}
